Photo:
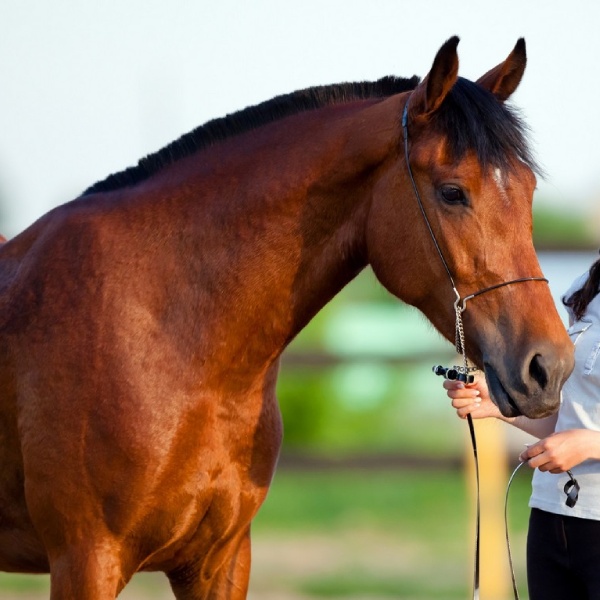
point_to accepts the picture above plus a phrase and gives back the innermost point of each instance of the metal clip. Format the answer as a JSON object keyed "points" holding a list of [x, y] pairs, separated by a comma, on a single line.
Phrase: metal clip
{"points": [[455, 373], [571, 489]]}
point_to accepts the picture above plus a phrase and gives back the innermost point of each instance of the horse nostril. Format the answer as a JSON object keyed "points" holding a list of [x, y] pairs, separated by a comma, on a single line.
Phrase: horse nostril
{"points": [[538, 372]]}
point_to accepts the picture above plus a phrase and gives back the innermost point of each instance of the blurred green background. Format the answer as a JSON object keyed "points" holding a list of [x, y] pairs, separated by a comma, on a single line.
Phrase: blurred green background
{"points": [[373, 496]]}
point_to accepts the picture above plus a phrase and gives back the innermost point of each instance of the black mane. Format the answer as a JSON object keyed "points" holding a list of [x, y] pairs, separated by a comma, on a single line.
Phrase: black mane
{"points": [[250, 118], [471, 118]]}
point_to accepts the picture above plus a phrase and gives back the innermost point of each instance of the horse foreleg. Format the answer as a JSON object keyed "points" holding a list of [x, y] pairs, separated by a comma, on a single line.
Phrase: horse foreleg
{"points": [[225, 581], [85, 573]]}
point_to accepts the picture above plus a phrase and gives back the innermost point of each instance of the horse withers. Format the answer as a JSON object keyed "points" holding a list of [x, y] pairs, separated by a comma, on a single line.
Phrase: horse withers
{"points": [[142, 323]]}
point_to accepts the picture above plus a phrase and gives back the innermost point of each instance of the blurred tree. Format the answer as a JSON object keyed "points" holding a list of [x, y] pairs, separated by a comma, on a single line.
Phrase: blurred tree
{"points": [[561, 230]]}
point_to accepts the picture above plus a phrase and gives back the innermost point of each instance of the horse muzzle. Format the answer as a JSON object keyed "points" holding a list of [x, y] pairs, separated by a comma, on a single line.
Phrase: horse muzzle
{"points": [[531, 386]]}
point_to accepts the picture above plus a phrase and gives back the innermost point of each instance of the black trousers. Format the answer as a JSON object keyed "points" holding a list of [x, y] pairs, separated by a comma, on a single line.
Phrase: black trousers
{"points": [[563, 557]]}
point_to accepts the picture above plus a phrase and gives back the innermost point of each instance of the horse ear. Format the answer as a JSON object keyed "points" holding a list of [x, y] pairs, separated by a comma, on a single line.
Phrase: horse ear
{"points": [[430, 93], [504, 79]]}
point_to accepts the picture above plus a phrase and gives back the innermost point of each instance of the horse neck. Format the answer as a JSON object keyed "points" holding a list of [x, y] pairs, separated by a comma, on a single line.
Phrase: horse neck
{"points": [[282, 217]]}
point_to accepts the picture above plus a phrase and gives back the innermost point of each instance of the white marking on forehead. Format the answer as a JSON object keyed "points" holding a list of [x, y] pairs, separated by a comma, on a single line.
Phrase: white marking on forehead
{"points": [[501, 182], [499, 179]]}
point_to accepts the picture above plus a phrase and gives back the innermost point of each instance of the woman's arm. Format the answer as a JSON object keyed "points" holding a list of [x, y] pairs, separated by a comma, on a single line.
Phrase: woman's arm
{"points": [[539, 428]]}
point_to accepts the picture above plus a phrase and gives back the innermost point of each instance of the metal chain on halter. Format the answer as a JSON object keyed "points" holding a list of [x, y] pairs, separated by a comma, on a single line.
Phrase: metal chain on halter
{"points": [[461, 373], [459, 340]]}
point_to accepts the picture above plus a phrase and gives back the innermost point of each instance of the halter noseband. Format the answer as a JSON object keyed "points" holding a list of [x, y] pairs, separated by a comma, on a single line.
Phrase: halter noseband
{"points": [[460, 303]]}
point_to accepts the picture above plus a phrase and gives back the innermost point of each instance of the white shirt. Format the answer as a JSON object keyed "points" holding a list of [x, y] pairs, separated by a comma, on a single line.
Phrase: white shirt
{"points": [[579, 409]]}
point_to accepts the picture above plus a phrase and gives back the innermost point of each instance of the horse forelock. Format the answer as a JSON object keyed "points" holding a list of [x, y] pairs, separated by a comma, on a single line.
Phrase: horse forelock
{"points": [[472, 119], [251, 118]]}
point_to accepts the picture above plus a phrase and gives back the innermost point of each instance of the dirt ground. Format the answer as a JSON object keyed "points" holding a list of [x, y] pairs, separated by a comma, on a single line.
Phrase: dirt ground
{"points": [[282, 564]]}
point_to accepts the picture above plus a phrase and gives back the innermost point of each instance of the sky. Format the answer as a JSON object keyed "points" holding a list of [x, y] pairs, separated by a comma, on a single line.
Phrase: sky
{"points": [[88, 88]]}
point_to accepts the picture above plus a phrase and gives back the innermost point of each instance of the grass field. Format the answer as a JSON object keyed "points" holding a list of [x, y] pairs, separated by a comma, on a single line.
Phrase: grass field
{"points": [[362, 535]]}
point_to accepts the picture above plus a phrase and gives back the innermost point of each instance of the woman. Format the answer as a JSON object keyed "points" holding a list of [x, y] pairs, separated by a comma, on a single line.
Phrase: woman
{"points": [[563, 543]]}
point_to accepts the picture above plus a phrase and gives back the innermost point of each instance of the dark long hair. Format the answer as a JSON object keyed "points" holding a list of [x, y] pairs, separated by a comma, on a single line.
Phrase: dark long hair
{"points": [[578, 301]]}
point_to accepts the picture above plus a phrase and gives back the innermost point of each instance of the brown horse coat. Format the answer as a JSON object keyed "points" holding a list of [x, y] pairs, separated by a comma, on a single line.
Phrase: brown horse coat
{"points": [[142, 324]]}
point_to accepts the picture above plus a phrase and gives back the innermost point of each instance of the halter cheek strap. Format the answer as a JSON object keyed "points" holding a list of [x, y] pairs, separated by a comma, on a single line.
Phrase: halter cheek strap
{"points": [[460, 304]]}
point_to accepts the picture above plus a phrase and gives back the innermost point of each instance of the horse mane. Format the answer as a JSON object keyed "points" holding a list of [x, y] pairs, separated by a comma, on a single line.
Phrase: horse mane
{"points": [[250, 118], [472, 119]]}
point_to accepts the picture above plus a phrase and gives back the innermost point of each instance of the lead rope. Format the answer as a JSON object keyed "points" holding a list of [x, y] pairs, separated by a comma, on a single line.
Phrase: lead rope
{"points": [[571, 489], [508, 549], [477, 509]]}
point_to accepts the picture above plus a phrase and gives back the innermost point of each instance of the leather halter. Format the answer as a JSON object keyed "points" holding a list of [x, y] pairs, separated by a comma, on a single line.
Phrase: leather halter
{"points": [[571, 488], [459, 304]]}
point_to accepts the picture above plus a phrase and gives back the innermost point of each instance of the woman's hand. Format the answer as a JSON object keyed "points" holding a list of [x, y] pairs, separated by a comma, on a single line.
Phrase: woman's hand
{"points": [[471, 399], [474, 399], [563, 450]]}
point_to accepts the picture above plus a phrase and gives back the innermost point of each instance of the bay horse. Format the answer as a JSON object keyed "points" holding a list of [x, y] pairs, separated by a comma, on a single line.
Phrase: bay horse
{"points": [[142, 323]]}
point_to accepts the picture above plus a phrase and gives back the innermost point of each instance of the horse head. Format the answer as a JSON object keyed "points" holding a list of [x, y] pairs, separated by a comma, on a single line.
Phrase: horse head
{"points": [[463, 197]]}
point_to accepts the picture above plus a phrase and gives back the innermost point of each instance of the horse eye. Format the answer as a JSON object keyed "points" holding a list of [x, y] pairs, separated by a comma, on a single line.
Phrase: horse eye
{"points": [[453, 195]]}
